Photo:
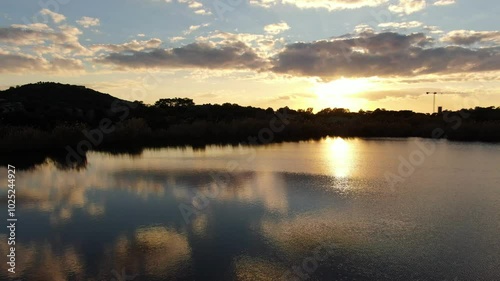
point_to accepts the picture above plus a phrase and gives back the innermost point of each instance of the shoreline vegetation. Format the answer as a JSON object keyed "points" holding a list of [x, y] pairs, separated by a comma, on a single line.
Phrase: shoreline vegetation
{"points": [[49, 117]]}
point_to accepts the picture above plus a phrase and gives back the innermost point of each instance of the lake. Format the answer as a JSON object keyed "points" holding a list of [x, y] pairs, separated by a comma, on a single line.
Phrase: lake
{"points": [[333, 209]]}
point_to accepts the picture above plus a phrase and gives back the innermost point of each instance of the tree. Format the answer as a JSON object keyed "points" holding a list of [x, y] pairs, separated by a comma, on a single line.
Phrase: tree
{"points": [[139, 103], [174, 102]]}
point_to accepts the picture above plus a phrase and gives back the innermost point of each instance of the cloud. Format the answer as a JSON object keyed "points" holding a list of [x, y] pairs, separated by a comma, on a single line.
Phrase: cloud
{"points": [[133, 45], [433, 29], [203, 12], [226, 55], [64, 40], [61, 64], [21, 63], [87, 22], [363, 28], [276, 28], [18, 63], [469, 37], [264, 45], [331, 5], [141, 35], [193, 28], [444, 2], [196, 6], [57, 18], [385, 54], [177, 39], [401, 25], [487, 76], [38, 48], [408, 6], [263, 3], [22, 35]]}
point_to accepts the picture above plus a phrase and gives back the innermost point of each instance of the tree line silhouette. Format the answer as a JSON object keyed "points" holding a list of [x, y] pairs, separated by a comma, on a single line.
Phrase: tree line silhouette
{"points": [[48, 116]]}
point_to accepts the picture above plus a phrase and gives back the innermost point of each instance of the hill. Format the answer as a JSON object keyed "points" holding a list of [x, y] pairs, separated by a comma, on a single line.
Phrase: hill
{"points": [[46, 104]]}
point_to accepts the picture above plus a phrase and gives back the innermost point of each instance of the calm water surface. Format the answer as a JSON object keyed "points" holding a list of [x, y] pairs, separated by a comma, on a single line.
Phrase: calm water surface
{"points": [[335, 209]]}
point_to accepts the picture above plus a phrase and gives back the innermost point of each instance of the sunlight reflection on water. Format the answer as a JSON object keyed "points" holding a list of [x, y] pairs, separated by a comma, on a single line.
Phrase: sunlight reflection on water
{"points": [[121, 214]]}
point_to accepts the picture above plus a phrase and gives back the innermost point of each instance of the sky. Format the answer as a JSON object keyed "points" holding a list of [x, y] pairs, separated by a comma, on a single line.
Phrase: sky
{"points": [[354, 54]]}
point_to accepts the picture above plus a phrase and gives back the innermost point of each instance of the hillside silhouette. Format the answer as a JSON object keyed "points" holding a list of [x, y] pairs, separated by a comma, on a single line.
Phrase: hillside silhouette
{"points": [[47, 116]]}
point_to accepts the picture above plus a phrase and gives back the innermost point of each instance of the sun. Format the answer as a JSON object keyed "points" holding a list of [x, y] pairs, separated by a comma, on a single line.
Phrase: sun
{"points": [[339, 93]]}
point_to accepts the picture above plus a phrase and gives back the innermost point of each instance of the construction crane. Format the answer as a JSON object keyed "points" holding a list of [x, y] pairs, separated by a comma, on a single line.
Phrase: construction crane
{"points": [[442, 93], [434, 100]]}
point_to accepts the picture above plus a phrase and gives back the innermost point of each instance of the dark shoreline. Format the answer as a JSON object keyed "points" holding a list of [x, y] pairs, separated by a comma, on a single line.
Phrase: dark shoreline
{"points": [[53, 119]]}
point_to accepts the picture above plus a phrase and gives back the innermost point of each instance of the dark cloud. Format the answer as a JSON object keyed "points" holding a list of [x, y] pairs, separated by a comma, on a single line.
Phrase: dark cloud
{"points": [[384, 54], [457, 77], [228, 55], [467, 37], [28, 35], [65, 39], [17, 63]]}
